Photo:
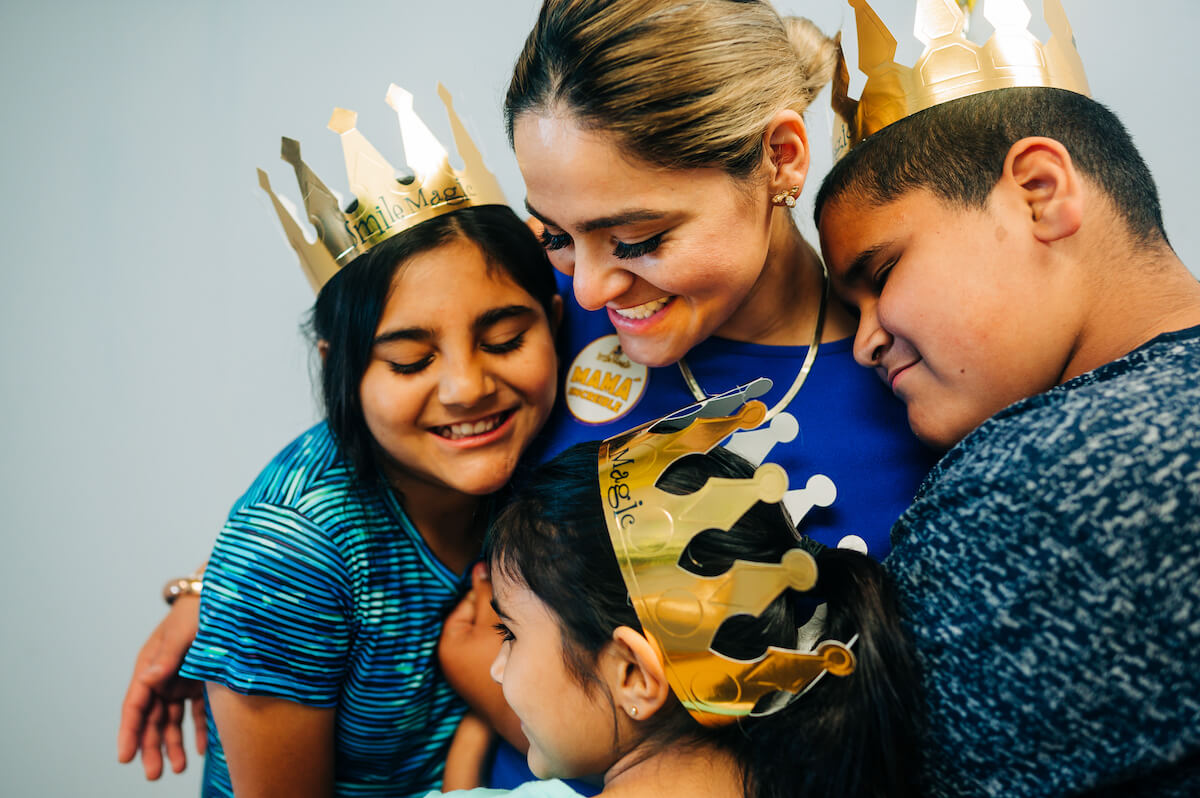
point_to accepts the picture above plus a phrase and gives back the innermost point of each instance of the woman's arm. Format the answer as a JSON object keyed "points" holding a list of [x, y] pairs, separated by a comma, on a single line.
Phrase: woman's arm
{"points": [[274, 747]]}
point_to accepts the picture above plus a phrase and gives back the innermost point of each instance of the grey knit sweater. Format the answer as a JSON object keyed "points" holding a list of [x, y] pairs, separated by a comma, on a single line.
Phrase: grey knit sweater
{"points": [[1049, 574]]}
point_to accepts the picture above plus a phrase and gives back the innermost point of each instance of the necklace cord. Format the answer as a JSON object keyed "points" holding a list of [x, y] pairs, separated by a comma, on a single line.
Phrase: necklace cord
{"points": [[805, 367]]}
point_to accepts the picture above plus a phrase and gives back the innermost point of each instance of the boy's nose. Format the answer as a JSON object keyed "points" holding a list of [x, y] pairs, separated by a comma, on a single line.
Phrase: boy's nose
{"points": [[871, 340]]}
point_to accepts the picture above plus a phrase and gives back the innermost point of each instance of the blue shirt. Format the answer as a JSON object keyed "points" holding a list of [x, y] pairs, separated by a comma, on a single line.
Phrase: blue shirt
{"points": [[844, 424], [322, 592]]}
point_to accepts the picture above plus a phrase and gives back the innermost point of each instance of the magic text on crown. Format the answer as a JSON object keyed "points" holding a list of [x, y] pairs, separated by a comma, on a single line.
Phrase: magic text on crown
{"points": [[681, 612], [386, 202]]}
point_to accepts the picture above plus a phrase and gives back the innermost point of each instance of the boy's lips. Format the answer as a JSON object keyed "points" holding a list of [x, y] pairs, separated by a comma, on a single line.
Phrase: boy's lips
{"points": [[894, 374]]}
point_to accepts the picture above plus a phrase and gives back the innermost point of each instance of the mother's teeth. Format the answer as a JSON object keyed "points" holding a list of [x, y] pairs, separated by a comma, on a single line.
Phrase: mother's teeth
{"points": [[643, 311]]}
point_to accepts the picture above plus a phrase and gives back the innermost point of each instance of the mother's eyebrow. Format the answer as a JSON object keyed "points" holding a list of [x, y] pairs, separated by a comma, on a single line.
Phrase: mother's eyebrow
{"points": [[496, 606], [631, 216]]}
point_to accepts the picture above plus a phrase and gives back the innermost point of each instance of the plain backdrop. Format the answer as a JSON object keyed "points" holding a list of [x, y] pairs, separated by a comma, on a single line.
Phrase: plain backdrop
{"points": [[151, 355]]}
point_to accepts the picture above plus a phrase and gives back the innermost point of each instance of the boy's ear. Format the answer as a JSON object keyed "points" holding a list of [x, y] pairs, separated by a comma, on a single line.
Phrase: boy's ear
{"points": [[786, 144], [635, 675], [1048, 185]]}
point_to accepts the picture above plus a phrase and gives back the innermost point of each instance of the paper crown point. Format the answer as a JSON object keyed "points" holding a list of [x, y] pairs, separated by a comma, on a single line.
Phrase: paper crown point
{"points": [[951, 65], [386, 202], [681, 612]]}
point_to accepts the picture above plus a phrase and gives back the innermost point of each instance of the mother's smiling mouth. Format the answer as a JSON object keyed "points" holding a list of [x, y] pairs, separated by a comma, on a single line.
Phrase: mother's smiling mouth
{"points": [[644, 310]]}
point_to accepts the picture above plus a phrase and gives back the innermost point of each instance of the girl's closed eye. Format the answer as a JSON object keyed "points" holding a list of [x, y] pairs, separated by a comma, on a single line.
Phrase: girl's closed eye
{"points": [[504, 346], [410, 368], [505, 634], [639, 248]]}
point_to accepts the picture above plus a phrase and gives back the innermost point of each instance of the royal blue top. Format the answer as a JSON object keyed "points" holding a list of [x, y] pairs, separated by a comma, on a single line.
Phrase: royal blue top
{"points": [[844, 424]]}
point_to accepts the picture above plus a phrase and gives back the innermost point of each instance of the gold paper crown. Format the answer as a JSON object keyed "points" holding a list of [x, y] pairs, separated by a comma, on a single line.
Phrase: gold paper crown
{"points": [[951, 66], [386, 202], [681, 611]]}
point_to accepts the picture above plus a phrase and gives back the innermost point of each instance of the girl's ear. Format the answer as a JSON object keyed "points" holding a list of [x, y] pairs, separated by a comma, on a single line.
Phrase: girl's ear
{"points": [[634, 674], [786, 145], [323, 349]]}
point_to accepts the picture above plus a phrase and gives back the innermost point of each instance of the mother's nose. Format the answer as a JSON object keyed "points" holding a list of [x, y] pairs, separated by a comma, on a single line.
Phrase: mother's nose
{"points": [[597, 280]]}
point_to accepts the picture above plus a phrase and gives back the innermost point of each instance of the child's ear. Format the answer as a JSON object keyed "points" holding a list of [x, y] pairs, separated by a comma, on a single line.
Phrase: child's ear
{"points": [[635, 675], [1041, 171], [323, 349], [786, 144]]}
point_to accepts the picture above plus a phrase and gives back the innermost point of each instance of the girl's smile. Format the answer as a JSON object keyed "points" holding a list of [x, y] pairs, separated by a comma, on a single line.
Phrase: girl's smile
{"points": [[461, 375]]}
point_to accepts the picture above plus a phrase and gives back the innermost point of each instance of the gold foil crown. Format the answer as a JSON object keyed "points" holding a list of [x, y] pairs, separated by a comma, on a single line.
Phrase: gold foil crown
{"points": [[386, 202], [680, 611], [951, 65]]}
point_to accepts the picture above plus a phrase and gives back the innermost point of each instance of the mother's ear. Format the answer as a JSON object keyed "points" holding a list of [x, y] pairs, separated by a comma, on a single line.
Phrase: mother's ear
{"points": [[786, 145], [1040, 170], [634, 674]]}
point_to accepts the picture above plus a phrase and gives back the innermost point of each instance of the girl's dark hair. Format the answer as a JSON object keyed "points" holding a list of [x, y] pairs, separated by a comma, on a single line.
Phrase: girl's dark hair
{"points": [[846, 736], [348, 307]]}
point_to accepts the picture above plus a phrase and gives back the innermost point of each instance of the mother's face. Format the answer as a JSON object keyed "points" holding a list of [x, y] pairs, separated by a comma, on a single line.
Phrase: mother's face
{"points": [[672, 254]]}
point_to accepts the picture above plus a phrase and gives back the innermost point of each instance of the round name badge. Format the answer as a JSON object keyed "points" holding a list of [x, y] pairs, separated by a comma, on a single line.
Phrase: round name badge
{"points": [[603, 384]]}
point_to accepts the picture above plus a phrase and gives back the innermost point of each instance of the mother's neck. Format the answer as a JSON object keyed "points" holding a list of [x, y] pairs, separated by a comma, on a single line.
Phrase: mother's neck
{"points": [[782, 307]]}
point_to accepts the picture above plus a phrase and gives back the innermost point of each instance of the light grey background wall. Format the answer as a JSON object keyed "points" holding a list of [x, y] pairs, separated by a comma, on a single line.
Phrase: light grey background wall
{"points": [[151, 359]]}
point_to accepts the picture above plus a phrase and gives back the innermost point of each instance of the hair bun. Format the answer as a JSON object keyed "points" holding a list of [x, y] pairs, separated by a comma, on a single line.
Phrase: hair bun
{"points": [[816, 53]]}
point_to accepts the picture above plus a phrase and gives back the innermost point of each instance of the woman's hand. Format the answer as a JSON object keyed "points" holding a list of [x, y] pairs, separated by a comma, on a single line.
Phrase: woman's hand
{"points": [[468, 646], [156, 701]]}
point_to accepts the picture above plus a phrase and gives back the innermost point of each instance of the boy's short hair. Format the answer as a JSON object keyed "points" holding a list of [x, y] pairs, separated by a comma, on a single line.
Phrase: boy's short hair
{"points": [[957, 151]]}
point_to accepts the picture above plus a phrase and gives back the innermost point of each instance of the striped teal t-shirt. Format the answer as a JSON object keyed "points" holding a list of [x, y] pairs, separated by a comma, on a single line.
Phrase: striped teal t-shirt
{"points": [[322, 592]]}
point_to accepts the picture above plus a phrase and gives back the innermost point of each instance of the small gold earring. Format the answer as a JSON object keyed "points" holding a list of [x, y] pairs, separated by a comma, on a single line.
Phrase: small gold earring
{"points": [[787, 198]]}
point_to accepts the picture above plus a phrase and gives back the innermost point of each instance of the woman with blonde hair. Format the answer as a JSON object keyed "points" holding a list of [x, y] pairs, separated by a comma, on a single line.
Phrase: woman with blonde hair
{"points": [[663, 145]]}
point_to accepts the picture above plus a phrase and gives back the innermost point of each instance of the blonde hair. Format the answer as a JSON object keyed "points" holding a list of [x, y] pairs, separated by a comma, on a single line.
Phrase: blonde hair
{"points": [[679, 83]]}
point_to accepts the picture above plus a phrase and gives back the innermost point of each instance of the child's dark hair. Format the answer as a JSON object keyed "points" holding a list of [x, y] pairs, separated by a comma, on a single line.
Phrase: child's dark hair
{"points": [[957, 151], [847, 736], [348, 308]]}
